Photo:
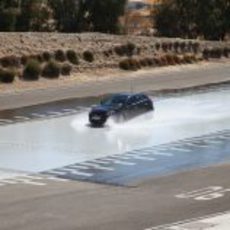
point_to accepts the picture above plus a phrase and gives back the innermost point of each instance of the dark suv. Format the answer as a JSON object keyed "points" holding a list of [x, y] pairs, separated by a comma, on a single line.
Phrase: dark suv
{"points": [[120, 107]]}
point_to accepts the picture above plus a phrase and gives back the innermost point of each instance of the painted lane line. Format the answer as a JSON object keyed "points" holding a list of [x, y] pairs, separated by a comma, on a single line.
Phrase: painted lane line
{"points": [[197, 145], [58, 179], [124, 163], [9, 181], [117, 161], [96, 166], [76, 172], [178, 149], [54, 113], [38, 115], [124, 157], [112, 161], [157, 152], [6, 121], [23, 118], [214, 221], [81, 167], [141, 157], [214, 142], [119, 157], [29, 182], [69, 110], [198, 192]]}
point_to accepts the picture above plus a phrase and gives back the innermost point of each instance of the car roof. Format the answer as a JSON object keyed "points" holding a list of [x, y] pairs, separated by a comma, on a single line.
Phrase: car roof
{"points": [[127, 94]]}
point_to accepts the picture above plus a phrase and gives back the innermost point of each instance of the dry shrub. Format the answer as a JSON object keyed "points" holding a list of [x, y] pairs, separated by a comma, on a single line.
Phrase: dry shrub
{"points": [[32, 70], [66, 69], [88, 56], [7, 75], [60, 56], [72, 57], [10, 61], [47, 56], [129, 64], [51, 70], [206, 54], [170, 59], [163, 60], [157, 46]]}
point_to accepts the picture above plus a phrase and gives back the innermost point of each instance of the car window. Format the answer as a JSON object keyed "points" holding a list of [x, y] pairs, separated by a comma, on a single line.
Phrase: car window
{"points": [[115, 100], [132, 100]]}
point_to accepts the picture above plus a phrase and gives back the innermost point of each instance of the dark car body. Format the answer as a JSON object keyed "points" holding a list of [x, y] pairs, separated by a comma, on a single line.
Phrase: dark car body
{"points": [[120, 107]]}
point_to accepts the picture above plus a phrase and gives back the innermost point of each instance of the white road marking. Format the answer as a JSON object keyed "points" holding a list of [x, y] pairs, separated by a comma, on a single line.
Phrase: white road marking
{"points": [[22, 118], [69, 110], [58, 179], [214, 142], [113, 161], [159, 153], [205, 194], [178, 149], [96, 166], [138, 157], [75, 172], [54, 113], [38, 115], [218, 221], [6, 121]]}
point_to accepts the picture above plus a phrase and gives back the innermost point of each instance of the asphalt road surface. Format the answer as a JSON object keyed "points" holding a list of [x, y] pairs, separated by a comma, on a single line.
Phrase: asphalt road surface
{"points": [[166, 170]]}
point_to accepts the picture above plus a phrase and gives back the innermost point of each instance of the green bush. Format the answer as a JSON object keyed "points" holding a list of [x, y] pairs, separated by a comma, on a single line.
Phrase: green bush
{"points": [[88, 56], [32, 70], [7, 75], [51, 70], [66, 69], [60, 56], [10, 61], [72, 57]]}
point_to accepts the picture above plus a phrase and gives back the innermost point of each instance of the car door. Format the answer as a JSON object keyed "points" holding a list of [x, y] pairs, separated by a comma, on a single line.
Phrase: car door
{"points": [[131, 107]]}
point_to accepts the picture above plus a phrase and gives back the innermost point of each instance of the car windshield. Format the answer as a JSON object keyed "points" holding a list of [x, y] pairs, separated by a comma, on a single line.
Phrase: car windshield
{"points": [[115, 100]]}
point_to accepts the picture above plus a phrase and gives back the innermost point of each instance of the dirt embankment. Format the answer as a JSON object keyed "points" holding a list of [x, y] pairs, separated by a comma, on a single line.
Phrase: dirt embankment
{"points": [[107, 50]]}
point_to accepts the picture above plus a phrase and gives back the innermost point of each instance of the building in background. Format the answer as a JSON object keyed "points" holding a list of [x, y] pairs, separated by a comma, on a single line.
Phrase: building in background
{"points": [[138, 18]]}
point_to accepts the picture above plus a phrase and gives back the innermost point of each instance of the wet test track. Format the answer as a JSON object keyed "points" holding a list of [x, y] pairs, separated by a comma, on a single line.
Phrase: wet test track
{"points": [[185, 132], [168, 166]]}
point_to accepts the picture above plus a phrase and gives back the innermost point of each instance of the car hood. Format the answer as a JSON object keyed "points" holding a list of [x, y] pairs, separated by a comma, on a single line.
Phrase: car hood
{"points": [[101, 108]]}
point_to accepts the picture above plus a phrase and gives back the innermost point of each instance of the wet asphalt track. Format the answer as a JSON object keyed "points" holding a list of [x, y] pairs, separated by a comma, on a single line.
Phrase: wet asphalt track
{"points": [[185, 132]]}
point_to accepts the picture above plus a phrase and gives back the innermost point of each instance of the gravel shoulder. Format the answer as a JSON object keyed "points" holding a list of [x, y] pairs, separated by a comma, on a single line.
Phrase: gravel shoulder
{"points": [[156, 79]]}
